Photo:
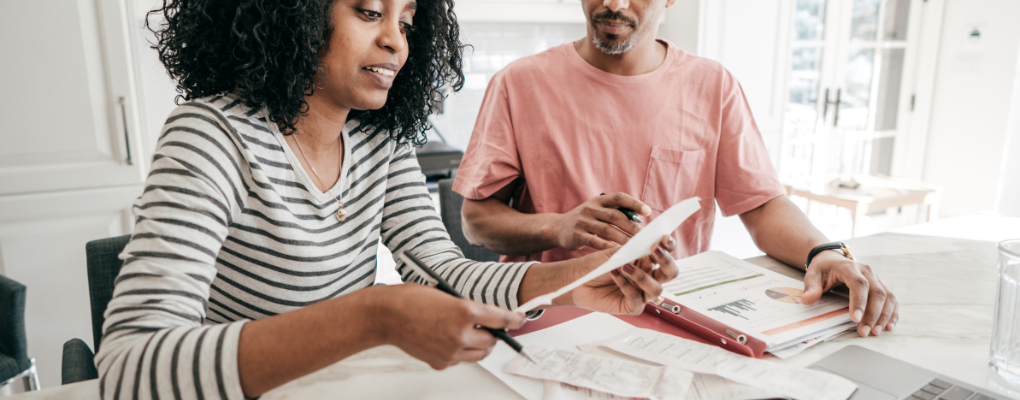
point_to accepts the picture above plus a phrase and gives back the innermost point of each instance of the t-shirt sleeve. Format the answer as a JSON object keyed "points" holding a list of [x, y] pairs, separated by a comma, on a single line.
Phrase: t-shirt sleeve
{"points": [[745, 178], [491, 161]]}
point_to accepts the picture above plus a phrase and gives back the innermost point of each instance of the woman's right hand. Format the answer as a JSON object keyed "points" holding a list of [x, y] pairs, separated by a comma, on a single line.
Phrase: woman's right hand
{"points": [[438, 328]]}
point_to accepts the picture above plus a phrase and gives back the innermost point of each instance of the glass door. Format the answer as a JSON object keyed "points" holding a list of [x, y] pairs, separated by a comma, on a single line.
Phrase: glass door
{"points": [[849, 86]]}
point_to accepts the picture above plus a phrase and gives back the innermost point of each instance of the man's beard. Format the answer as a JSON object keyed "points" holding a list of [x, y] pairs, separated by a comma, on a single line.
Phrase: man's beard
{"points": [[613, 48]]}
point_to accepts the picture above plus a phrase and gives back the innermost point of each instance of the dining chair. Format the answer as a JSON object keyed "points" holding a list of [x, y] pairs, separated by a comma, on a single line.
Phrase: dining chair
{"points": [[103, 266], [450, 203], [15, 366]]}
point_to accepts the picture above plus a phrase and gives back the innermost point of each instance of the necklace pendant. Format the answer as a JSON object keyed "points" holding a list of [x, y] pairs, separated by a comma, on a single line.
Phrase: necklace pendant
{"points": [[341, 214]]}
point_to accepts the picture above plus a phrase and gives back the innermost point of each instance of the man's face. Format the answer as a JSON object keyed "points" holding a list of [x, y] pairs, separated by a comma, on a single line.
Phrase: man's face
{"points": [[615, 26]]}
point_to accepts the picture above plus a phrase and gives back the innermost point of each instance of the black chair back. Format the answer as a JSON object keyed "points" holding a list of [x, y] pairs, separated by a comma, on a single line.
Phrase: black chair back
{"points": [[13, 344], [103, 267], [450, 203]]}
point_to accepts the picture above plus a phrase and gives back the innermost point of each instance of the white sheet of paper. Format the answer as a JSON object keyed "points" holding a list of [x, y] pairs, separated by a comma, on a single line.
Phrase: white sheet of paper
{"points": [[594, 327], [686, 354], [607, 375], [823, 336], [714, 387], [703, 386], [637, 247]]}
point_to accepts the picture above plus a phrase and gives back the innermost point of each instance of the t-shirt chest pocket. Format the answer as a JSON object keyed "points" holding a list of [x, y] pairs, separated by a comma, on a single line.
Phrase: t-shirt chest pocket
{"points": [[672, 176]]}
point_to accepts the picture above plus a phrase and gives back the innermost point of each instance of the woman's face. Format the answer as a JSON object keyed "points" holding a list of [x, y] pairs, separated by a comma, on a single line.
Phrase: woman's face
{"points": [[366, 51]]}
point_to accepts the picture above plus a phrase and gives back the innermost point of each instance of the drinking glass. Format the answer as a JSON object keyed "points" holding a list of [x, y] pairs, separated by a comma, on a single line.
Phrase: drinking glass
{"points": [[1005, 349]]}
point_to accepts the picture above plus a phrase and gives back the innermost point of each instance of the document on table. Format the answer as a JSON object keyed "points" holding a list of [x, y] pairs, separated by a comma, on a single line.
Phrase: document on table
{"points": [[754, 300], [672, 351], [594, 327], [607, 375], [703, 387]]}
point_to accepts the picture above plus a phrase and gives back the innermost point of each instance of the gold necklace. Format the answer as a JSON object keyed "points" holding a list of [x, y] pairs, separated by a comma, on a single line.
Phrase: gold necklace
{"points": [[341, 213]]}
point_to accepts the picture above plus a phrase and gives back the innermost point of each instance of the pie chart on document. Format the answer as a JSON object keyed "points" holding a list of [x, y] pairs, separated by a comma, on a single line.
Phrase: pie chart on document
{"points": [[785, 294]]}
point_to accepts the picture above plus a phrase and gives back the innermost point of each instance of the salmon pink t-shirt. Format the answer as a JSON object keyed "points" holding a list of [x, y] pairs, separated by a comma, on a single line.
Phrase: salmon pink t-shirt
{"points": [[570, 131]]}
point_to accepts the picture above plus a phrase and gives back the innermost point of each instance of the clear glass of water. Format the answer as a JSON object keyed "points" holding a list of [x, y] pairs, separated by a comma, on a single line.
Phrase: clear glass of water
{"points": [[1005, 349]]}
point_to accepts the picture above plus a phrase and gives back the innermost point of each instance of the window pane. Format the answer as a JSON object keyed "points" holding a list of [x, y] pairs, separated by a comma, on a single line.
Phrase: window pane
{"points": [[897, 16], [851, 157], [797, 160], [809, 20], [802, 109], [856, 96], [889, 83], [865, 20]]}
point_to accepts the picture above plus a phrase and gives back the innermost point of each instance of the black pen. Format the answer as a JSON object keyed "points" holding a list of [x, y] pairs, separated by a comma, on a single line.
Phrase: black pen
{"points": [[431, 277], [630, 214]]}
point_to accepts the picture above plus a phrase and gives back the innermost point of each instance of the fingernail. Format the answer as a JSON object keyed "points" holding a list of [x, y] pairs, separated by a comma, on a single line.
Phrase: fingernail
{"points": [[865, 331], [628, 269], [857, 316], [671, 241], [614, 273], [878, 330], [890, 327], [660, 250]]}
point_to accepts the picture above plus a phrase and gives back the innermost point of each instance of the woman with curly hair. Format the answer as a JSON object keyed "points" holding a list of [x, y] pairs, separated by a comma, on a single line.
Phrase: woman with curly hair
{"points": [[290, 158]]}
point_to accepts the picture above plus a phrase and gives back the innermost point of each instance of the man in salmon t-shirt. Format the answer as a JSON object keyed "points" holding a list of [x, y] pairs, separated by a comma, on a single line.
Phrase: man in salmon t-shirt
{"points": [[623, 113]]}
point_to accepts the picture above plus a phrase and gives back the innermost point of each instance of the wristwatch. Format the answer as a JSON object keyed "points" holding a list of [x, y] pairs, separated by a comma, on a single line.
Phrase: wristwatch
{"points": [[828, 246]]}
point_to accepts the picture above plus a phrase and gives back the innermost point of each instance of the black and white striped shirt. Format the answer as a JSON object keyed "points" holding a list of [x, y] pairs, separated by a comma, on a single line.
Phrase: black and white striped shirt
{"points": [[229, 228]]}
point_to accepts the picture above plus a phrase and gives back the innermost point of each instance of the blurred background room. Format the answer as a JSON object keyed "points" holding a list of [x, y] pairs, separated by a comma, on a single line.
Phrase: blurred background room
{"points": [[878, 115]]}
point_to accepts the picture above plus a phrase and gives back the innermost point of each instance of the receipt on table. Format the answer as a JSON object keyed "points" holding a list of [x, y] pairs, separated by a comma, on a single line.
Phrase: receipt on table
{"points": [[714, 387], [606, 375], [686, 354]]}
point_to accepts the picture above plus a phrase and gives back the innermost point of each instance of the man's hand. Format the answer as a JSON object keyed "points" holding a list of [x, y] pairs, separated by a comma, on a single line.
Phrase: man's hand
{"points": [[624, 290], [594, 223], [872, 305], [440, 329]]}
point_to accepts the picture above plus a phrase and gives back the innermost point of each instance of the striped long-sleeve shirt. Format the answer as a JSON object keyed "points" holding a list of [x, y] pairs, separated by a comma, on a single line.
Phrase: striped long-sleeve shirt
{"points": [[230, 228]]}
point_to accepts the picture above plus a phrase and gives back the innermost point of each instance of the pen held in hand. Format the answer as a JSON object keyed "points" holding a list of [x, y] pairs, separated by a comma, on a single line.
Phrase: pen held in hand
{"points": [[630, 214], [431, 277]]}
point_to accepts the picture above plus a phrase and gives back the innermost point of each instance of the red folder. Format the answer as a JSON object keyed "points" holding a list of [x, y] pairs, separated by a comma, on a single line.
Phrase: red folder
{"points": [[670, 318]]}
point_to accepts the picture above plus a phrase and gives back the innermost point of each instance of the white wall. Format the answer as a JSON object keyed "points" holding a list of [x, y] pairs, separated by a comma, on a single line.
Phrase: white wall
{"points": [[1009, 184], [971, 103], [681, 25]]}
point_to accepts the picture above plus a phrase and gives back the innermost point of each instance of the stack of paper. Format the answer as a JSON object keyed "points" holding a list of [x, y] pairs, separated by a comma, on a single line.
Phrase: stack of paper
{"points": [[757, 302]]}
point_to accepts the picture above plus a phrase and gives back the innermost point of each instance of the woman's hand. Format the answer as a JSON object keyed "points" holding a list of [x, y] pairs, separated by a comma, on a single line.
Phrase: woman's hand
{"points": [[626, 289], [438, 328]]}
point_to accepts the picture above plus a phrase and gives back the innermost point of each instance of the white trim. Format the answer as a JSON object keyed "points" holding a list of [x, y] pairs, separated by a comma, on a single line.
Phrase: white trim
{"points": [[916, 138]]}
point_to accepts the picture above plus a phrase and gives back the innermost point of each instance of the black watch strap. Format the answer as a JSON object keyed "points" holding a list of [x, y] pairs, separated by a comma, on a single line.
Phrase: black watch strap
{"points": [[822, 247]]}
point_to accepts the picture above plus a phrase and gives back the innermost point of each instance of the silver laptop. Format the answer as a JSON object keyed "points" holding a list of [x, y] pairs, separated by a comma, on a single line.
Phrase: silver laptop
{"points": [[880, 377]]}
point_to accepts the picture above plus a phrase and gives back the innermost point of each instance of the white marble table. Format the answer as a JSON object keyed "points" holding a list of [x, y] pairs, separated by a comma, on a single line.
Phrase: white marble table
{"points": [[943, 274]]}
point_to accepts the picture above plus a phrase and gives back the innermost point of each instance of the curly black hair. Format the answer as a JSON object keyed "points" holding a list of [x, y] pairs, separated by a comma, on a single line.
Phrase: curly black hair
{"points": [[267, 52]]}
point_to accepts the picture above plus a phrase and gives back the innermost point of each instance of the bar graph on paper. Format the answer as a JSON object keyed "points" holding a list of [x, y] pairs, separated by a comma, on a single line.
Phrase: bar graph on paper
{"points": [[735, 308]]}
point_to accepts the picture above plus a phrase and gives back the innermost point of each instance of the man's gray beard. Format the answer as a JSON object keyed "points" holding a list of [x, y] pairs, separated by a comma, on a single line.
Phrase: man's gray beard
{"points": [[613, 49]]}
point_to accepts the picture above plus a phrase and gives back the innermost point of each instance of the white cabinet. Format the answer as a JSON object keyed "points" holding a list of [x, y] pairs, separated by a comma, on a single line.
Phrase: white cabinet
{"points": [[72, 155], [69, 107]]}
